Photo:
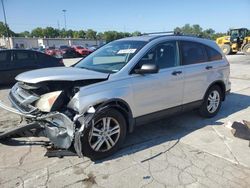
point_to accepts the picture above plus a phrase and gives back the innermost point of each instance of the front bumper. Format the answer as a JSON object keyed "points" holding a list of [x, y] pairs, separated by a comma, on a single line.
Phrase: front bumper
{"points": [[15, 110], [59, 128]]}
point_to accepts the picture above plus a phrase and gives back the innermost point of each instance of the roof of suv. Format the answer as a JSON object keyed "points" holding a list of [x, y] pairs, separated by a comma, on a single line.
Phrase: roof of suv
{"points": [[148, 38]]}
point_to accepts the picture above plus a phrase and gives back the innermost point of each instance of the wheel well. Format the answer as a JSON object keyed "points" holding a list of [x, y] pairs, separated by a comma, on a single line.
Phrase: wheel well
{"points": [[122, 107], [222, 86]]}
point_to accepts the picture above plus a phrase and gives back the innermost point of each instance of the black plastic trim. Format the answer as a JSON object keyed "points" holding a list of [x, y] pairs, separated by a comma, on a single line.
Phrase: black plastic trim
{"points": [[155, 116]]}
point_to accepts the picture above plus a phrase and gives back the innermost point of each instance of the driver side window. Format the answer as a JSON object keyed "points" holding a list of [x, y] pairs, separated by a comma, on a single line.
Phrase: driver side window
{"points": [[164, 55]]}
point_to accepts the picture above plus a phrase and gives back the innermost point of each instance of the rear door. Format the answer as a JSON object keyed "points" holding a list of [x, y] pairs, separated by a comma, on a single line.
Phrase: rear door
{"points": [[5, 68], [196, 70]]}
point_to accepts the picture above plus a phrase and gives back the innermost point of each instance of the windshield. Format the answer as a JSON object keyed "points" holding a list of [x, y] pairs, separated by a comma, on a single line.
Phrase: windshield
{"points": [[111, 57]]}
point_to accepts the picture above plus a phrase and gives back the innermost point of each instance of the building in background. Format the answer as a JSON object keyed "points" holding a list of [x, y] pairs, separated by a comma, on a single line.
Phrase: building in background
{"points": [[25, 42]]}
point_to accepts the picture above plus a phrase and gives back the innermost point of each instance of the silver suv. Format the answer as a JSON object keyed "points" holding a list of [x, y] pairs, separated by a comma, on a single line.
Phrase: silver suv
{"points": [[95, 103]]}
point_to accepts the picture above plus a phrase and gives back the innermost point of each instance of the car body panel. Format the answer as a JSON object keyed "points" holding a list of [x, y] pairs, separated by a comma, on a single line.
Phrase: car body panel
{"points": [[60, 74], [145, 94]]}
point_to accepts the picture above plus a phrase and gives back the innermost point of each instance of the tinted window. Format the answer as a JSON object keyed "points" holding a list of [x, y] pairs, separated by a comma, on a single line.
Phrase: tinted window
{"points": [[22, 55], [3, 57], [213, 54], [164, 55], [44, 57], [192, 53]]}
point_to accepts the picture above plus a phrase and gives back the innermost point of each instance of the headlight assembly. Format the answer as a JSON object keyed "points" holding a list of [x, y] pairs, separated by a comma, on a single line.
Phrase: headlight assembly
{"points": [[46, 102]]}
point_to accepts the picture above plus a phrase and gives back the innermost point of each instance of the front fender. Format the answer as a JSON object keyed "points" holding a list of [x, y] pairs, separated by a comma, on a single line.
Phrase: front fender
{"points": [[85, 99]]}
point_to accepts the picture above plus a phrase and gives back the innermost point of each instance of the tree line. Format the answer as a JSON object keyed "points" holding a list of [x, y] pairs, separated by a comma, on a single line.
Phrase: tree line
{"points": [[50, 32]]}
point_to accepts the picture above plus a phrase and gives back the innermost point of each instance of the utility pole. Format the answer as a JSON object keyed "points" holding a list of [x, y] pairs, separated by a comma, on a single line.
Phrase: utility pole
{"points": [[64, 15], [6, 26]]}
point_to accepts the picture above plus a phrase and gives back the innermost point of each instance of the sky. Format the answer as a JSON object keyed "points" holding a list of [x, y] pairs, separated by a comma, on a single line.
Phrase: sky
{"points": [[126, 15]]}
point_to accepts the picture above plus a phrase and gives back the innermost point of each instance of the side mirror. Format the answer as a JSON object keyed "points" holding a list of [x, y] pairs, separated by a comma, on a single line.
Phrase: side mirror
{"points": [[147, 69]]}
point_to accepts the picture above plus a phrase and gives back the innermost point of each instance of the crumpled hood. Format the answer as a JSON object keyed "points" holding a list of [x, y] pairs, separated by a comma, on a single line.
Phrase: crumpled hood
{"points": [[59, 74]]}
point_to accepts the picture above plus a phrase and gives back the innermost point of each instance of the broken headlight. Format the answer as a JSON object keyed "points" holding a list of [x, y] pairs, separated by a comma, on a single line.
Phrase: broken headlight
{"points": [[48, 101]]}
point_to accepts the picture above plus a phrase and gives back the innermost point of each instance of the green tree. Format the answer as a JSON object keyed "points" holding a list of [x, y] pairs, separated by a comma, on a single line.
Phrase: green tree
{"points": [[91, 34], [136, 33], [70, 33], [209, 33], [50, 32], [197, 30], [188, 29], [23, 34], [37, 32], [81, 34], [3, 30], [100, 36]]}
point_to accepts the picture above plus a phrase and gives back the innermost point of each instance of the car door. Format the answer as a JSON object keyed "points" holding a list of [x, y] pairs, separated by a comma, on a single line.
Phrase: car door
{"points": [[194, 61], [5, 67], [162, 90], [23, 60]]}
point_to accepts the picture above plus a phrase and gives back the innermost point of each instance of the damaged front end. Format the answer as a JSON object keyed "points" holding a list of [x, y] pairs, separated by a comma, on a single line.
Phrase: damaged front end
{"points": [[45, 104]]}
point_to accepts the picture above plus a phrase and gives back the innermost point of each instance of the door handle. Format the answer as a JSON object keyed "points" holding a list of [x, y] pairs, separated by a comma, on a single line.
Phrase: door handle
{"points": [[175, 73], [209, 67]]}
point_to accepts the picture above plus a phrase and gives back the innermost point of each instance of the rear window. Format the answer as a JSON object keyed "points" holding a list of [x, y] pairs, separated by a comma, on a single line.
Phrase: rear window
{"points": [[192, 53], [3, 56], [213, 54]]}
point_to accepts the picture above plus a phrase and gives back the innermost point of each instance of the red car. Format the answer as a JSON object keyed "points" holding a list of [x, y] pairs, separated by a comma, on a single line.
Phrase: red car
{"points": [[83, 51], [51, 51]]}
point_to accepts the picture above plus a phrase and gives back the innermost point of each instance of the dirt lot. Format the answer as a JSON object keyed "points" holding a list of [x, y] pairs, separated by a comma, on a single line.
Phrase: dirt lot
{"points": [[183, 151]]}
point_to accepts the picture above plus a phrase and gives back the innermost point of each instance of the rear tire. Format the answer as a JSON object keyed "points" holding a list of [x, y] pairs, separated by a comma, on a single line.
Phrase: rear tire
{"points": [[92, 147], [246, 49], [212, 102], [226, 49]]}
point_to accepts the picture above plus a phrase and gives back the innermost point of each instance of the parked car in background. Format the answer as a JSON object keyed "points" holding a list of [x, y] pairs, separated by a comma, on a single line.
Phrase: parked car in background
{"points": [[52, 51], [68, 52], [93, 48], [13, 62], [39, 49], [83, 51], [64, 48]]}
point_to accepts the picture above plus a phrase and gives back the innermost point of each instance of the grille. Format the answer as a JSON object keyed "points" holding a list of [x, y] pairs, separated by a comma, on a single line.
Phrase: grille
{"points": [[22, 99]]}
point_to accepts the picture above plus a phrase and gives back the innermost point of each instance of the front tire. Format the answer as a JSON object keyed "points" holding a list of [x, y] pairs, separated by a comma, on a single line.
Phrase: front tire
{"points": [[226, 49], [212, 102], [105, 135]]}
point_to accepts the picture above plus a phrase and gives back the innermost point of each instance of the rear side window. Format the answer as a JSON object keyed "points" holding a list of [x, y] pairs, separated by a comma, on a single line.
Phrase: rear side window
{"points": [[192, 53], [22, 55], [213, 54], [44, 58], [3, 57]]}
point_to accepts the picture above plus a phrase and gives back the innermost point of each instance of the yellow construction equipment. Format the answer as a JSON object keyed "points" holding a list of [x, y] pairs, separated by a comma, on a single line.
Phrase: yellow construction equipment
{"points": [[236, 40]]}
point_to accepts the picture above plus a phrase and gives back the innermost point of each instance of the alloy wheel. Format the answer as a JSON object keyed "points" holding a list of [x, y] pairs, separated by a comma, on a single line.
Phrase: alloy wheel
{"points": [[213, 101], [104, 134]]}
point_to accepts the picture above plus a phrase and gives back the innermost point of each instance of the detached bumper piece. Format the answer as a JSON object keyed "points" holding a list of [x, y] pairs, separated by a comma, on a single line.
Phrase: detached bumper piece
{"points": [[58, 127], [18, 129]]}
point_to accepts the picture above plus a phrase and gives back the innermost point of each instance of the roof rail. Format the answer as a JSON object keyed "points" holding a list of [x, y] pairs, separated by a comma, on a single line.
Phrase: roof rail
{"points": [[160, 33], [173, 33]]}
